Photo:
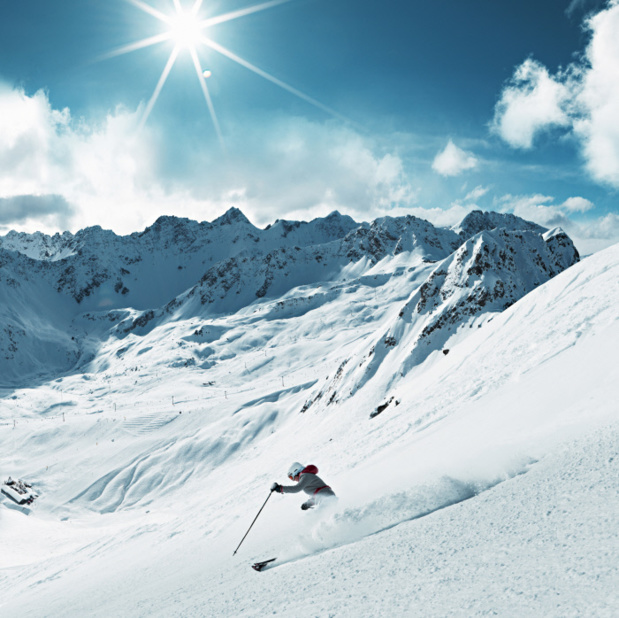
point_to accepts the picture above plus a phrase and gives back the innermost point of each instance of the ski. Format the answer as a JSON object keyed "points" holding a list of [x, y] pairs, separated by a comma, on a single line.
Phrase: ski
{"points": [[259, 566]]}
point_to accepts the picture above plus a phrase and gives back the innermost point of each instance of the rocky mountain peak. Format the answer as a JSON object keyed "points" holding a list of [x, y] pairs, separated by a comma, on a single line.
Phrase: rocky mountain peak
{"points": [[477, 221], [232, 216], [486, 274]]}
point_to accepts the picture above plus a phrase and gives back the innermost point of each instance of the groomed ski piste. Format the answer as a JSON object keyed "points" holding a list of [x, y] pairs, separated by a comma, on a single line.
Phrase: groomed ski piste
{"points": [[491, 488]]}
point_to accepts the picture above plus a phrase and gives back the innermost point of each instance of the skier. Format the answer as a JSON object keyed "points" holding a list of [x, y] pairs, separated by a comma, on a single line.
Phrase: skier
{"points": [[306, 480]]}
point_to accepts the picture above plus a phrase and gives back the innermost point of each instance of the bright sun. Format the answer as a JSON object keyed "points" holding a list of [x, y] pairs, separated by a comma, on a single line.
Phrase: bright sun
{"points": [[186, 30]]}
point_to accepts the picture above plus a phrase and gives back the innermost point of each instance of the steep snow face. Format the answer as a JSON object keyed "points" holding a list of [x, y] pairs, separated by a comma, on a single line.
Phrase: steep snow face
{"points": [[488, 273], [485, 275], [72, 295]]}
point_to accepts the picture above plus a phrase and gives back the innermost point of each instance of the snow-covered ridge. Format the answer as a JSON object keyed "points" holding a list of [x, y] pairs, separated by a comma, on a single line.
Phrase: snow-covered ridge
{"points": [[483, 477], [478, 221], [64, 296], [487, 274]]}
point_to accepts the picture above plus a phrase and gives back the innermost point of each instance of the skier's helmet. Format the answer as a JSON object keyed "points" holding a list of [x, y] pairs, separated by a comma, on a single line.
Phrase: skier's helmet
{"points": [[295, 469]]}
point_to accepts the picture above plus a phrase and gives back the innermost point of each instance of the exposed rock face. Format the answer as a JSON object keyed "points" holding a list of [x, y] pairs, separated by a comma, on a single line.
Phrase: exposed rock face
{"points": [[490, 272], [478, 221], [115, 285], [486, 274]]}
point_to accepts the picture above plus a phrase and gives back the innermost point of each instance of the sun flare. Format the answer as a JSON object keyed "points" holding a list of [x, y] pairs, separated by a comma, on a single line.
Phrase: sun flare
{"points": [[185, 29]]}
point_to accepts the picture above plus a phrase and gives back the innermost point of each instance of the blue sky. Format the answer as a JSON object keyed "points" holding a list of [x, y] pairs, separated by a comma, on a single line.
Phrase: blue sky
{"points": [[427, 108]]}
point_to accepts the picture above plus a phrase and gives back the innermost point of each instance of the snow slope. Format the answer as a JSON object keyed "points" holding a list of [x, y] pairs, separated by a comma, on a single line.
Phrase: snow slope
{"points": [[487, 485]]}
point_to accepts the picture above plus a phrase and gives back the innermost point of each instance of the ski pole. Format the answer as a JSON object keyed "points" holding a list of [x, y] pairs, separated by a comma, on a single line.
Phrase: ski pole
{"points": [[253, 522]]}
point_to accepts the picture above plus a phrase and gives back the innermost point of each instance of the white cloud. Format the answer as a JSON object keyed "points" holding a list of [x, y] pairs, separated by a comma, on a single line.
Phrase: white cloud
{"points": [[533, 101], [311, 169], [577, 204], [583, 99], [122, 179], [538, 208], [476, 193], [46, 154], [452, 161], [543, 209], [455, 212], [596, 122], [589, 235], [595, 234]]}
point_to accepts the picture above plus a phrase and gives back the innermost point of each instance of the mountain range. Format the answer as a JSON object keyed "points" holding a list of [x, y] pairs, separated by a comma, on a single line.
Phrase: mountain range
{"points": [[66, 296]]}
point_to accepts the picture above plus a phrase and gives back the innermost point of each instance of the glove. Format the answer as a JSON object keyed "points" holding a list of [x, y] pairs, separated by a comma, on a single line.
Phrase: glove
{"points": [[307, 505], [276, 487]]}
